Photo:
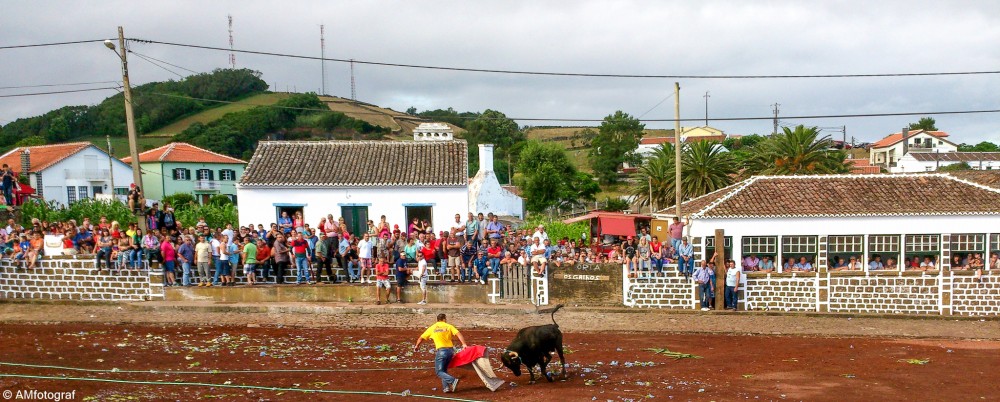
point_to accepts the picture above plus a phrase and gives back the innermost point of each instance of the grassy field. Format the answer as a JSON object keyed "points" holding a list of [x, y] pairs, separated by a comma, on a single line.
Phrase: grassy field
{"points": [[120, 144], [564, 137], [216, 113]]}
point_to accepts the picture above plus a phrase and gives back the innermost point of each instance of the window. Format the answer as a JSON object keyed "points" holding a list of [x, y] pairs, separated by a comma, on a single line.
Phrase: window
{"points": [[121, 190], [922, 247], [885, 246], [70, 194], [844, 248], [206, 174], [356, 218], [964, 245], [422, 212], [727, 247], [82, 192], [760, 245], [995, 243], [227, 174], [182, 174], [798, 247]]}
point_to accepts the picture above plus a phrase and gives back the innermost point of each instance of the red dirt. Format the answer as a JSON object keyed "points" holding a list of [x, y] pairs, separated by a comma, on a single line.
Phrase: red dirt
{"points": [[603, 366]]}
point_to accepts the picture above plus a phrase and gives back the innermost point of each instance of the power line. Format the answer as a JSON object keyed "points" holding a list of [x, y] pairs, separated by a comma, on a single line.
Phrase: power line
{"points": [[656, 105], [60, 85], [51, 44], [836, 116], [56, 92], [158, 65], [567, 74], [165, 62]]}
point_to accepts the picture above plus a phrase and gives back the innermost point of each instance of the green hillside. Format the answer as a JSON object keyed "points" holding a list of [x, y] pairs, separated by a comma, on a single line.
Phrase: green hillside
{"points": [[217, 112]]}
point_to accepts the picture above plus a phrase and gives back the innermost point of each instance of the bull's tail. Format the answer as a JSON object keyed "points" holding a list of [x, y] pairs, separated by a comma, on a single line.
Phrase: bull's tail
{"points": [[553, 315]]}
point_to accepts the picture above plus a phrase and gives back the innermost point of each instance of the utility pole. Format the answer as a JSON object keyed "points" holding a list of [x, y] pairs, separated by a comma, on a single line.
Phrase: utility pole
{"points": [[111, 165], [354, 95], [677, 149], [775, 118], [129, 119], [322, 58], [706, 107], [232, 55]]}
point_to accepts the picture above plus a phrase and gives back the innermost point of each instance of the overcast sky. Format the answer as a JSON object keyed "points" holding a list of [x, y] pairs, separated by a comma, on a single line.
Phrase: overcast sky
{"points": [[651, 37]]}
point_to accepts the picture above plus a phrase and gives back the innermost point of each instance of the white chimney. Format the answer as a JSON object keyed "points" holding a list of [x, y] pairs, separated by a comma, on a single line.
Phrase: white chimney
{"points": [[485, 157]]}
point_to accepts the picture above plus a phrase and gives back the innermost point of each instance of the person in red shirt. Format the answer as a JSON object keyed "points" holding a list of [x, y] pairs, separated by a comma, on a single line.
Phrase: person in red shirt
{"points": [[300, 249], [494, 252], [382, 281]]}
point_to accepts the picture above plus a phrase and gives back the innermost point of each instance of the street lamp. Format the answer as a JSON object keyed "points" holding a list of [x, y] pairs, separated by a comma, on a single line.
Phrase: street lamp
{"points": [[129, 117]]}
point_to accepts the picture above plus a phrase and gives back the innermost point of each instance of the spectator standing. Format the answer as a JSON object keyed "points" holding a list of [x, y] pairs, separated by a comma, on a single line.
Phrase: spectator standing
{"points": [[323, 257], [264, 260], [472, 230], [365, 255], [282, 258], [493, 228], [299, 248], [421, 275], [285, 223], [342, 247], [732, 285], [382, 281], [704, 280], [442, 333], [8, 184], [454, 252], [676, 230], [186, 256], [169, 255], [203, 257], [685, 261], [250, 261]]}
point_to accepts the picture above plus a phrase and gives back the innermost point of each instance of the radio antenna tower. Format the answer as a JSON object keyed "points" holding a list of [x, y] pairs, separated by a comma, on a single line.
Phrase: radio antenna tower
{"points": [[322, 57], [232, 55], [354, 95]]}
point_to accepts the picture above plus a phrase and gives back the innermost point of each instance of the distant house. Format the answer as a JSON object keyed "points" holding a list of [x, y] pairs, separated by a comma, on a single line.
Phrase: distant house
{"points": [[862, 166], [648, 145], [184, 168], [824, 217], [65, 173], [485, 192], [357, 180], [888, 151], [931, 161]]}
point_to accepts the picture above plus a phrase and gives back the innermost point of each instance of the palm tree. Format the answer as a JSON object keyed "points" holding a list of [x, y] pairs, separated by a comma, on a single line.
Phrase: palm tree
{"points": [[705, 167], [797, 152]]}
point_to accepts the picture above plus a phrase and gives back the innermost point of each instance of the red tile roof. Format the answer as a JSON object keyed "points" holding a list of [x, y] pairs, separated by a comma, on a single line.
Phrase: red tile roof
{"points": [[42, 156], [956, 156], [846, 196], [989, 178], [894, 138], [863, 166], [182, 152]]}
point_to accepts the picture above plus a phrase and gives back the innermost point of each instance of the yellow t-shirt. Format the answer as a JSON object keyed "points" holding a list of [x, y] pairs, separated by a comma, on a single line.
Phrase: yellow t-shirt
{"points": [[440, 333]]}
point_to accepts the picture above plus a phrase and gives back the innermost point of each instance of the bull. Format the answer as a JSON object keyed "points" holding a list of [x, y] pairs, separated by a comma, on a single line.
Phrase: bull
{"points": [[533, 346]]}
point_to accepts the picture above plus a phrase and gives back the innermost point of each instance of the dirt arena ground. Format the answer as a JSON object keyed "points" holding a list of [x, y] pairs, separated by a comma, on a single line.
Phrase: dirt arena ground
{"points": [[109, 353]]}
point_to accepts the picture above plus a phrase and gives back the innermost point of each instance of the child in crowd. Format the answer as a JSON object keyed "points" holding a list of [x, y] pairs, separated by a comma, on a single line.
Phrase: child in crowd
{"points": [[382, 281]]}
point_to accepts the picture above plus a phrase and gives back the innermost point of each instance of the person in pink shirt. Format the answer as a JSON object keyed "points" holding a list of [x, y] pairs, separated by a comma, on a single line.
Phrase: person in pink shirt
{"points": [[676, 230], [169, 255]]}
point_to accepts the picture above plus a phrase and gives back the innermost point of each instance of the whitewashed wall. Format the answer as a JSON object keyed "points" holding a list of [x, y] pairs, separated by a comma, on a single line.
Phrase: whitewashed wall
{"points": [[54, 178], [486, 195], [257, 206]]}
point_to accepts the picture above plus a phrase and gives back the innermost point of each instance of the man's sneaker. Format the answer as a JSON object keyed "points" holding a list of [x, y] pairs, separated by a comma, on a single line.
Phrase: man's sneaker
{"points": [[482, 281], [422, 302], [454, 385], [704, 309]]}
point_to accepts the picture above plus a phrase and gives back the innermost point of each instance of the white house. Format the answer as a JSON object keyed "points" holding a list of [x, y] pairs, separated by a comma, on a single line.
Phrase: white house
{"points": [[69, 172], [356, 180], [433, 132], [648, 145], [821, 218], [931, 161], [887, 152], [485, 193]]}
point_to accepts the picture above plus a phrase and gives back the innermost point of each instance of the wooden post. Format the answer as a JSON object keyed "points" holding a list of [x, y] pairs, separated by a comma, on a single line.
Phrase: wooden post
{"points": [[720, 269]]}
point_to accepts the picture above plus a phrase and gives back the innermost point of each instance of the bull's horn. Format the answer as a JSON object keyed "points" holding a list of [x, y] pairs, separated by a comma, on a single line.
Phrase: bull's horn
{"points": [[513, 354]]}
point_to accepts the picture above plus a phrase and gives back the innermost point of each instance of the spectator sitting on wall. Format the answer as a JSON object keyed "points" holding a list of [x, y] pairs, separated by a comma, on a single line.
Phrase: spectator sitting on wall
{"points": [[537, 252]]}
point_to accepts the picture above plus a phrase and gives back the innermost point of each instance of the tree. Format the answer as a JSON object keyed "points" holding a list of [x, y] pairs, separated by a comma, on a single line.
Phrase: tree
{"points": [[925, 123], [955, 167], [411, 110], [548, 178], [493, 127], [797, 152], [984, 146], [705, 167], [615, 144]]}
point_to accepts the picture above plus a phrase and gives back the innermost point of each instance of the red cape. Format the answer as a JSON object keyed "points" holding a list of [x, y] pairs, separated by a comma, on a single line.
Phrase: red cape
{"points": [[467, 356]]}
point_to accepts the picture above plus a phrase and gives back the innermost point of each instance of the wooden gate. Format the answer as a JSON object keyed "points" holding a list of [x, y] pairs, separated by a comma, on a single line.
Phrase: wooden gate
{"points": [[515, 283]]}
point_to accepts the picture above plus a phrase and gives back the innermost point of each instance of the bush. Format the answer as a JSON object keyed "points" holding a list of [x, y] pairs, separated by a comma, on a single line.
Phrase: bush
{"points": [[88, 208], [557, 229], [180, 201], [220, 200], [215, 215]]}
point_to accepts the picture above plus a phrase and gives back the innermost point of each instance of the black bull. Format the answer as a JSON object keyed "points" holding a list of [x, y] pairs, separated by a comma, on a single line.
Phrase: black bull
{"points": [[533, 347]]}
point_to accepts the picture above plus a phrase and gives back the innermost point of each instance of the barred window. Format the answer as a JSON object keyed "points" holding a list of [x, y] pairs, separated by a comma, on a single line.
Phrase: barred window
{"points": [[798, 244], [83, 192], [923, 243], [760, 245], [883, 244], [968, 242], [846, 244], [70, 194]]}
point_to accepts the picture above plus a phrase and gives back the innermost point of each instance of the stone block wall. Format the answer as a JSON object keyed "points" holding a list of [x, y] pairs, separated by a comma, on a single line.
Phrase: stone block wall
{"points": [[885, 294], [972, 297], [782, 293], [68, 278], [666, 290]]}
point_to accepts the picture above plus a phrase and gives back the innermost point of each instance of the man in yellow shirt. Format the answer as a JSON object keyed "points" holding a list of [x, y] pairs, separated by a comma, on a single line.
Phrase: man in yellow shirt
{"points": [[441, 333]]}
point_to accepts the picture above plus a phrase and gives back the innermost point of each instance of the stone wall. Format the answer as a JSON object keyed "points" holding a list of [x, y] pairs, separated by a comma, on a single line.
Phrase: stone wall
{"points": [[586, 284], [971, 297], [68, 278], [792, 293], [664, 290], [885, 294]]}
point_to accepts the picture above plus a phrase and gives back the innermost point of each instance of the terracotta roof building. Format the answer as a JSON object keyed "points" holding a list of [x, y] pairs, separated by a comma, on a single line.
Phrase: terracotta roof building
{"points": [[184, 168], [69, 172], [931, 161], [358, 180], [822, 218], [889, 151]]}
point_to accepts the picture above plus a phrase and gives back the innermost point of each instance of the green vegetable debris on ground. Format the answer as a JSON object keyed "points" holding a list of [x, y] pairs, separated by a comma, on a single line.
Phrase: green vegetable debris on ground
{"points": [[675, 355]]}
